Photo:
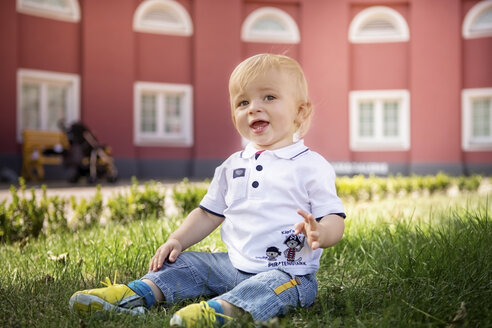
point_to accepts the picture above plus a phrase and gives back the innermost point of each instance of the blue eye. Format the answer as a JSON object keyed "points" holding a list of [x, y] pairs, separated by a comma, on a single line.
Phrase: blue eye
{"points": [[269, 98], [243, 103]]}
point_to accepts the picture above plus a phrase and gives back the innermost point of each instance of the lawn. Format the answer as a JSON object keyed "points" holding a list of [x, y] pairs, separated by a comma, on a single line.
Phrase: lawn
{"points": [[404, 261]]}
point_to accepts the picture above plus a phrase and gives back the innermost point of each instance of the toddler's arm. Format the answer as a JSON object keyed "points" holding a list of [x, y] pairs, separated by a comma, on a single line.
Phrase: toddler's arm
{"points": [[197, 225], [325, 233]]}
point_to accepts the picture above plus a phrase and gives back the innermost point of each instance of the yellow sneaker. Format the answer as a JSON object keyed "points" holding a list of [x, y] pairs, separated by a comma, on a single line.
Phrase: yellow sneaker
{"points": [[113, 297], [196, 315]]}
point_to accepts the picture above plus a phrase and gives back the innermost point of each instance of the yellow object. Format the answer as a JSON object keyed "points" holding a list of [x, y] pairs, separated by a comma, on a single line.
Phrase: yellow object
{"points": [[34, 142], [289, 284], [196, 315], [113, 297]]}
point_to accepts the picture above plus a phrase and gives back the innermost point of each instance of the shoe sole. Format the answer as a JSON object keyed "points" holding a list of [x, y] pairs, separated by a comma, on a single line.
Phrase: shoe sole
{"points": [[85, 304], [176, 321]]}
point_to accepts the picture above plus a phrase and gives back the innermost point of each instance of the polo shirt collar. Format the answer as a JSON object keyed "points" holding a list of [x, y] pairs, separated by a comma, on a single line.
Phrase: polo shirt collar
{"points": [[288, 152]]}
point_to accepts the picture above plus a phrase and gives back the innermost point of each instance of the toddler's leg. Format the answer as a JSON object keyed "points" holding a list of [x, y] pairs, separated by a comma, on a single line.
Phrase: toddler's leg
{"points": [[272, 293], [194, 274], [263, 296], [158, 296]]}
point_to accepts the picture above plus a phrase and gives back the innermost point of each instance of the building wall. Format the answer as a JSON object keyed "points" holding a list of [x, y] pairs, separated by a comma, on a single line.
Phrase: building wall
{"points": [[434, 66], [435, 84], [476, 66], [326, 64], [8, 68]]}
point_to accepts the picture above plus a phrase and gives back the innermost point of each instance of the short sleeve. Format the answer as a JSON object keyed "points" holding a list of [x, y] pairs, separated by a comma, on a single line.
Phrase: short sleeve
{"points": [[214, 199], [322, 191]]}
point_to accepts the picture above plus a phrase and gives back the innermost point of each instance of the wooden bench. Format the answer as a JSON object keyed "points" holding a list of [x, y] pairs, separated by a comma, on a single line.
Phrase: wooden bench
{"points": [[35, 143]]}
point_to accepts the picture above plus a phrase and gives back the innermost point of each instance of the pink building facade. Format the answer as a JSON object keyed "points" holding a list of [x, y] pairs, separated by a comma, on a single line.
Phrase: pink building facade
{"points": [[398, 86]]}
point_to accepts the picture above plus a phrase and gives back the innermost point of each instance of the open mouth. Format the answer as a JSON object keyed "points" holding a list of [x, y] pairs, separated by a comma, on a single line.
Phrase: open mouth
{"points": [[259, 126]]}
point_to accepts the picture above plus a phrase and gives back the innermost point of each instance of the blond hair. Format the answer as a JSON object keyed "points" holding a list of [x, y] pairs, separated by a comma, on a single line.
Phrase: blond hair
{"points": [[256, 65]]}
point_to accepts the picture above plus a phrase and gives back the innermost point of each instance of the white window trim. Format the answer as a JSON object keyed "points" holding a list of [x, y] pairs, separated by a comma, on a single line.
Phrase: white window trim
{"points": [[186, 139], [140, 25], [73, 110], [470, 18], [370, 13], [72, 15], [467, 142], [358, 143], [292, 34]]}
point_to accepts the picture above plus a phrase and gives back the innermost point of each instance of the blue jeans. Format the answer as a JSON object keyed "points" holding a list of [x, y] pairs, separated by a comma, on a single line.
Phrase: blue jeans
{"points": [[197, 274]]}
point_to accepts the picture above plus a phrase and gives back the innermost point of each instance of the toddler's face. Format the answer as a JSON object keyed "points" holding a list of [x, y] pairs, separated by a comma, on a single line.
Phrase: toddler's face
{"points": [[266, 110]]}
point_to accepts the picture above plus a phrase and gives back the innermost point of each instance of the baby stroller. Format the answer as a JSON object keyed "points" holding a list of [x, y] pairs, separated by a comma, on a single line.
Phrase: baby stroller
{"points": [[86, 157]]}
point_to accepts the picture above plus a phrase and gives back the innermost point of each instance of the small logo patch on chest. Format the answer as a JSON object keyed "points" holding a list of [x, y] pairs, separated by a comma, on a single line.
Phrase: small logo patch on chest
{"points": [[238, 173]]}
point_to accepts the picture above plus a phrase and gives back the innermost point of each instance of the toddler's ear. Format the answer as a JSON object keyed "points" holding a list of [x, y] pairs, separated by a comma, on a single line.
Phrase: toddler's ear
{"points": [[303, 118], [304, 110]]}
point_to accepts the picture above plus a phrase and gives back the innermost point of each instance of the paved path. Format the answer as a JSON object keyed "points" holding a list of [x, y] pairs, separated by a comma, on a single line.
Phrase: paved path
{"points": [[80, 189]]}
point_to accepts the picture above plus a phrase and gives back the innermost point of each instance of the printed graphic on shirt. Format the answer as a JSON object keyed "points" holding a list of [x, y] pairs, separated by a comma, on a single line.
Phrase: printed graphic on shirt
{"points": [[288, 253], [273, 253], [294, 244]]}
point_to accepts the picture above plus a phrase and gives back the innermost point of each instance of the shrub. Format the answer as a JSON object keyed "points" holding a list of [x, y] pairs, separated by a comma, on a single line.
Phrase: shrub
{"points": [[471, 183], [57, 218], [137, 204], [187, 196], [24, 217], [86, 213], [30, 214]]}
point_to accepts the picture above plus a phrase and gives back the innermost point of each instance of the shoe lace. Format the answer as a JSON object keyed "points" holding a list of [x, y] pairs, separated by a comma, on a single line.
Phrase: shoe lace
{"points": [[209, 314], [107, 281]]}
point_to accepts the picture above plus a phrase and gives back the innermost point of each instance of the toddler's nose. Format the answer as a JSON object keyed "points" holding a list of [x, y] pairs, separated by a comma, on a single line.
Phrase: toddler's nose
{"points": [[254, 107]]}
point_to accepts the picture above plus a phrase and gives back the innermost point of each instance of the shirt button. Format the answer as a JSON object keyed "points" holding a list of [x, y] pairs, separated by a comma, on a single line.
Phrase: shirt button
{"points": [[255, 184], [259, 167]]}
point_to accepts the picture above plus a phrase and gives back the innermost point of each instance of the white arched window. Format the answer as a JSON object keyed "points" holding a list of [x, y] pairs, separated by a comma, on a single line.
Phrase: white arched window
{"points": [[270, 25], [162, 17], [478, 21], [66, 10], [378, 24]]}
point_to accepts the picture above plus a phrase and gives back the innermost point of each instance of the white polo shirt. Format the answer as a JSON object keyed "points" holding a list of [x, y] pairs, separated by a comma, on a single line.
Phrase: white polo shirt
{"points": [[259, 194]]}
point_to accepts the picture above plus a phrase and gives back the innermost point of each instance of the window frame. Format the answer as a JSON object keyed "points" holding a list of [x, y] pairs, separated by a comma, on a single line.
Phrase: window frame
{"points": [[185, 139], [291, 35], [139, 24], [379, 142], [469, 20], [467, 141], [374, 12], [51, 12], [44, 78]]}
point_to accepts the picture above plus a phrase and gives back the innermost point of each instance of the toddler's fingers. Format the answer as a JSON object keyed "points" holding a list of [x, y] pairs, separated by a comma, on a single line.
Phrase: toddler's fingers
{"points": [[160, 260], [302, 213], [309, 218], [298, 227], [152, 264], [173, 256], [156, 260]]}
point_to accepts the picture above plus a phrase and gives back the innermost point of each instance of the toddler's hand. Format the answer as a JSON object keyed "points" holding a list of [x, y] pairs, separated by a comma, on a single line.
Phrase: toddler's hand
{"points": [[309, 227], [170, 250]]}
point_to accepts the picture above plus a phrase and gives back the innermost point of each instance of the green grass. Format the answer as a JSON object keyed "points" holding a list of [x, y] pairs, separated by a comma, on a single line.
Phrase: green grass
{"points": [[403, 262]]}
